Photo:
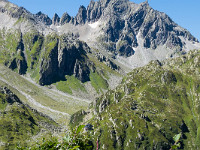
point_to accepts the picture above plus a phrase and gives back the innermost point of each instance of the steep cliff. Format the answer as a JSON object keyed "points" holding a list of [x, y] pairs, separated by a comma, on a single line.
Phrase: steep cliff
{"points": [[64, 56]]}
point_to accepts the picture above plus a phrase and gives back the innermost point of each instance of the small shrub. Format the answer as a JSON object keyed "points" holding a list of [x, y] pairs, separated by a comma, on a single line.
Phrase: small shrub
{"points": [[74, 140]]}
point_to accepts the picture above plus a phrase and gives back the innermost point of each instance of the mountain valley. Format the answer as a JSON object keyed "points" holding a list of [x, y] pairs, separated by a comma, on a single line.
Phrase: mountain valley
{"points": [[128, 70]]}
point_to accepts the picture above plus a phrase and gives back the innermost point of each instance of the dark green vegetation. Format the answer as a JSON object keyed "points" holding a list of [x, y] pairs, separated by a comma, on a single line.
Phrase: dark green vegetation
{"points": [[19, 122], [151, 106], [77, 118], [73, 140]]}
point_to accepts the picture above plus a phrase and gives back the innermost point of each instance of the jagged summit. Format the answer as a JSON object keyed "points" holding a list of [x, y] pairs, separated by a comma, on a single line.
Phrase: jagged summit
{"points": [[43, 18], [124, 28], [13, 10], [81, 16], [145, 2], [66, 18], [3, 0], [127, 27], [56, 19]]}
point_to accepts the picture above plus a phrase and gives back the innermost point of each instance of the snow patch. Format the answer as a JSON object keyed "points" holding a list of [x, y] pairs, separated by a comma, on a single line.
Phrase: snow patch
{"points": [[94, 25]]}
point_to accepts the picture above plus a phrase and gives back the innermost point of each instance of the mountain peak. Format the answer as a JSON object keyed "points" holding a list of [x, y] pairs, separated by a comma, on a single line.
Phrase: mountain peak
{"points": [[56, 19], [81, 16], [66, 18], [4, 1], [145, 3], [43, 18]]}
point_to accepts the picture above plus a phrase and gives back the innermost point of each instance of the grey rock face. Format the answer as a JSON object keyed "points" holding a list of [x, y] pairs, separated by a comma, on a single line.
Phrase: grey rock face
{"points": [[119, 35], [125, 20], [81, 71], [19, 12], [49, 67], [43, 18], [81, 16], [16, 12], [68, 57], [73, 59], [11, 97], [157, 28], [104, 103], [124, 48], [168, 77], [107, 61], [65, 19], [56, 19], [94, 11], [21, 61]]}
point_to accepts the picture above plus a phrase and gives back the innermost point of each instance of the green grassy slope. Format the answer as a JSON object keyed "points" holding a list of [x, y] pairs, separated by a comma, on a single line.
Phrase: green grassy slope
{"points": [[18, 122], [152, 105], [58, 106]]}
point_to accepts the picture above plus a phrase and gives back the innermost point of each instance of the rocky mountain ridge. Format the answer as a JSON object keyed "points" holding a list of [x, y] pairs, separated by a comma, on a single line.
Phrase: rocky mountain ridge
{"points": [[122, 15], [134, 33]]}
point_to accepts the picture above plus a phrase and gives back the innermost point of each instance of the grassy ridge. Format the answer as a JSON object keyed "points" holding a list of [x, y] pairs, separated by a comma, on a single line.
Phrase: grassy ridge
{"points": [[152, 105]]}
